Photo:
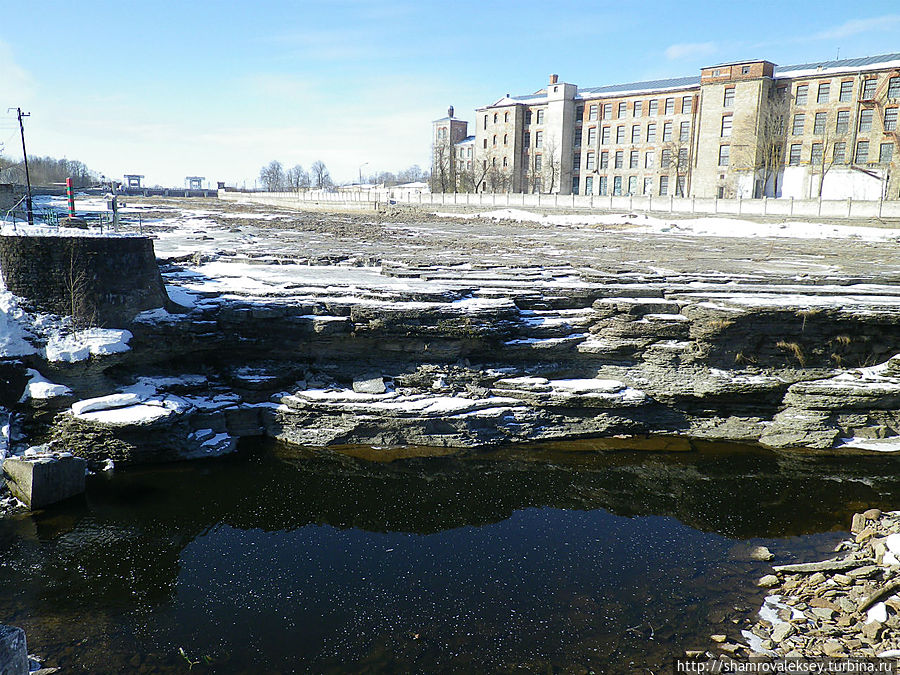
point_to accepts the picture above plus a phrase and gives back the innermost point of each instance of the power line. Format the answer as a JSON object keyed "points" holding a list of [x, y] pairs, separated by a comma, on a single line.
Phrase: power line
{"points": [[25, 157]]}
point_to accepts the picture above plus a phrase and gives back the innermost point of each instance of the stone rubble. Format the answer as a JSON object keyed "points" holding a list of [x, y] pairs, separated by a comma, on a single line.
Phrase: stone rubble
{"points": [[848, 605]]}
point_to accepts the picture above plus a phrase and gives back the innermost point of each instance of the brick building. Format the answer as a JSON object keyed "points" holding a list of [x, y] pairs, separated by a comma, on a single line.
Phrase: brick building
{"points": [[745, 129]]}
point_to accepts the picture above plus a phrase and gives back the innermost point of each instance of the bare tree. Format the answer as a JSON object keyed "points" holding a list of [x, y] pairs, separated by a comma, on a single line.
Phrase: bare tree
{"points": [[771, 140], [551, 164], [440, 166], [297, 177], [272, 176], [320, 176]]}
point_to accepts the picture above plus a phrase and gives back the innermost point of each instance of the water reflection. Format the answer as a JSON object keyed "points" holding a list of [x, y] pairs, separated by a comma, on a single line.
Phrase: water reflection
{"points": [[517, 558]]}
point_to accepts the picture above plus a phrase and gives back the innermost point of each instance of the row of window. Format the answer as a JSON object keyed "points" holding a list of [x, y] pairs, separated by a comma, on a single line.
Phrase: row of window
{"points": [[638, 135], [634, 159], [842, 121], [839, 153], [636, 108], [628, 185], [845, 91]]}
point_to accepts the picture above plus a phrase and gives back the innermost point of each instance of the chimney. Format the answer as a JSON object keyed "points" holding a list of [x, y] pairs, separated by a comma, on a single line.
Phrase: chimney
{"points": [[450, 111], [554, 79]]}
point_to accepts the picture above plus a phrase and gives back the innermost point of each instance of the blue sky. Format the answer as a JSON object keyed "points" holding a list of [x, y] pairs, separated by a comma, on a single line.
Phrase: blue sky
{"points": [[218, 89]]}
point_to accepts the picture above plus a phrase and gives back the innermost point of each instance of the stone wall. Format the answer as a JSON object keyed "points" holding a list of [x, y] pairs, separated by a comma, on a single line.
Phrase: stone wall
{"points": [[98, 280], [8, 197]]}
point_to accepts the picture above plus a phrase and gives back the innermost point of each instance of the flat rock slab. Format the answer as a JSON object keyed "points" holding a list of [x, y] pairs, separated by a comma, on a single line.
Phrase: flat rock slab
{"points": [[823, 566], [41, 481], [13, 651]]}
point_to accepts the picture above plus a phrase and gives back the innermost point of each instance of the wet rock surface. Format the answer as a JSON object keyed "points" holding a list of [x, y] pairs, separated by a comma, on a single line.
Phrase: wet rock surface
{"points": [[848, 605]]}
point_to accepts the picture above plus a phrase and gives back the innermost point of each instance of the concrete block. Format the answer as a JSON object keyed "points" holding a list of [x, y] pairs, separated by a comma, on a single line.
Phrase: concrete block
{"points": [[13, 651], [40, 481]]}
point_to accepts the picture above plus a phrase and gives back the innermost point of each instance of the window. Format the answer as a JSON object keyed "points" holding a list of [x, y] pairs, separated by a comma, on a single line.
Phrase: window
{"points": [[665, 159], [650, 160], [745, 70], [636, 133], [651, 132], [667, 132], [686, 102], [590, 162], [679, 186], [617, 185], [724, 154], [801, 94], [604, 136], [868, 89], [670, 106], [589, 185], [469, 152], [638, 105], [862, 152], [839, 153], [603, 185], [685, 133], [682, 158], [526, 139], [634, 160], [824, 92], [495, 140], [623, 109], [819, 123], [538, 160], [726, 125], [575, 185], [846, 91], [885, 153], [632, 184], [799, 122], [604, 160], [537, 184], [485, 121], [539, 139], [716, 73], [728, 101], [495, 118], [506, 117], [619, 159], [620, 134], [894, 87], [843, 122], [485, 143], [663, 185], [505, 139], [576, 162], [648, 186], [592, 113], [654, 108], [607, 110], [493, 161], [816, 154], [592, 136], [576, 140], [794, 157], [505, 162], [890, 119], [579, 113], [865, 119], [540, 116]]}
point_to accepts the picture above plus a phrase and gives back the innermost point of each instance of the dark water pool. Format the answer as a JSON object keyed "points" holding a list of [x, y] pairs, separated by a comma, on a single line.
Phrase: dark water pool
{"points": [[541, 559]]}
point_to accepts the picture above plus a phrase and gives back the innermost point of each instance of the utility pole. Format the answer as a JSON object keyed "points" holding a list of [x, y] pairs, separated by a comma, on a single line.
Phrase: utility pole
{"points": [[28, 205]]}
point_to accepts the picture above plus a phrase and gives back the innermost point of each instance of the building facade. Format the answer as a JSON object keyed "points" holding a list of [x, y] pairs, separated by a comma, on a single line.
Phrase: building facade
{"points": [[747, 129]]}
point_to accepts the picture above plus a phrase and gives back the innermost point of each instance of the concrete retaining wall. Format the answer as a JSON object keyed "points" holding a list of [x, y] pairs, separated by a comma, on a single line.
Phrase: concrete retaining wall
{"points": [[100, 280], [811, 208]]}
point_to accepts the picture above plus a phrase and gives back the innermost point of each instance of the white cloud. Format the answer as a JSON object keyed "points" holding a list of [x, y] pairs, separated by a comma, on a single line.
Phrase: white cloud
{"points": [[690, 50], [858, 26]]}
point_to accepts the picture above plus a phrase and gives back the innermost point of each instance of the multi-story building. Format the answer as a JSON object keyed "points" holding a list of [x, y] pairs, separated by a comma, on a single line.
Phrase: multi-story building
{"points": [[744, 129]]}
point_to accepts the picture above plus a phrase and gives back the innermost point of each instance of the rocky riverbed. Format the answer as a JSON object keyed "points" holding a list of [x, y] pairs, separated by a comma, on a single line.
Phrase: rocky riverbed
{"points": [[459, 332], [846, 605]]}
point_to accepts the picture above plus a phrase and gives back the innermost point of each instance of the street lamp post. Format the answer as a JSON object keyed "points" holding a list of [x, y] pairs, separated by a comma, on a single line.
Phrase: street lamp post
{"points": [[360, 173]]}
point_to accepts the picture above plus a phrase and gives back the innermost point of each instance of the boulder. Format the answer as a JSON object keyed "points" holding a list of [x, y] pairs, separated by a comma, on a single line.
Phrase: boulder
{"points": [[44, 480]]}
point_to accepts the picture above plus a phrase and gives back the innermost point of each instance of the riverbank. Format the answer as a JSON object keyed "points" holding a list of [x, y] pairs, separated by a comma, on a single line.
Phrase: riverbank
{"points": [[845, 605], [471, 332]]}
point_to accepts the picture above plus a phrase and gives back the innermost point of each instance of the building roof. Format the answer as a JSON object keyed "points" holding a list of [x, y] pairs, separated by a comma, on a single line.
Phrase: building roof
{"points": [[448, 119], [467, 139], [863, 63]]}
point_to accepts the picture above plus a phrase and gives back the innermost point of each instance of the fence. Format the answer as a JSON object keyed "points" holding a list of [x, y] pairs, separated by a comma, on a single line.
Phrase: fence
{"points": [[803, 208]]}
